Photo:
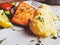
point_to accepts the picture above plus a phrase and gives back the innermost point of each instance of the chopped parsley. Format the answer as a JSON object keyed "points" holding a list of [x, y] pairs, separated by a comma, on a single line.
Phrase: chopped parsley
{"points": [[15, 29], [2, 40], [40, 18], [58, 33], [39, 41], [37, 44], [54, 37], [32, 40], [58, 17]]}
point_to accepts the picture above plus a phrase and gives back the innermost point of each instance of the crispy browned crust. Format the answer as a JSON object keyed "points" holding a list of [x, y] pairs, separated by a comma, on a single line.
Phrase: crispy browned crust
{"points": [[23, 13]]}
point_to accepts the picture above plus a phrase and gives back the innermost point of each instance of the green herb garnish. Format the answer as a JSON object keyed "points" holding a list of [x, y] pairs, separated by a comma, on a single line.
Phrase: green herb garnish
{"points": [[13, 29], [58, 17], [32, 40], [58, 34], [2, 40], [54, 37], [40, 18], [37, 44], [39, 41]]}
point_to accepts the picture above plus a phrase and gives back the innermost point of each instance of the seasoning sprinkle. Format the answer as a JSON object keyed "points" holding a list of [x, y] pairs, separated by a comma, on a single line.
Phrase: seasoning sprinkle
{"points": [[32, 40], [58, 17], [39, 41], [1, 28], [54, 37], [37, 44], [2, 40], [58, 33], [16, 44], [15, 29]]}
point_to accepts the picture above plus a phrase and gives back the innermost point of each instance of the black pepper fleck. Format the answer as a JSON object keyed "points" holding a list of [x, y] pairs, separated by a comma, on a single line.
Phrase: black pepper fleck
{"points": [[2, 40], [32, 40], [57, 16], [16, 44], [39, 41], [54, 37], [37, 44]]}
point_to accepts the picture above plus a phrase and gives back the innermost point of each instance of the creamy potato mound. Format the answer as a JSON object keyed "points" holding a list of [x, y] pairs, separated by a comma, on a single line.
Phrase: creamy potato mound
{"points": [[41, 25], [46, 12]]}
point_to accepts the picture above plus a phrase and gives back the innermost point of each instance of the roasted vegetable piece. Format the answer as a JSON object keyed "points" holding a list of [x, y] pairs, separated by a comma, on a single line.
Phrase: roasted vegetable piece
{"points": [[6, 6]]}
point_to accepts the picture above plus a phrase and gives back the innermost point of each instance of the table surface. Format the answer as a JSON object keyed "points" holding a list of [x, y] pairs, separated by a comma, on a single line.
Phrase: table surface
{"points": [[56, 6]]}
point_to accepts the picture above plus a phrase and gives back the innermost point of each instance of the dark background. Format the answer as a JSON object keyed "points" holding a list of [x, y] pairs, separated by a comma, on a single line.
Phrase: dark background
{"points": [[52, 2]]}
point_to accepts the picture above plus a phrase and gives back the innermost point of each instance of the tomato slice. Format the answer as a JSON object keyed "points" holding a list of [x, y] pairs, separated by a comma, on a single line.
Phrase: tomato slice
{"points": [[6, 6]]}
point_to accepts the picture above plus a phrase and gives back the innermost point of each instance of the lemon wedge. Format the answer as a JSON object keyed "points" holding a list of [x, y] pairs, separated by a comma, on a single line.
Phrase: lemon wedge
{"points": [[4, 21]]}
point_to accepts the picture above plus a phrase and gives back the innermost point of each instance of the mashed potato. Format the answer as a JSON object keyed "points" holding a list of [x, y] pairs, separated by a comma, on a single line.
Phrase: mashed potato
{"points": [[41, 25], [45, 11]]}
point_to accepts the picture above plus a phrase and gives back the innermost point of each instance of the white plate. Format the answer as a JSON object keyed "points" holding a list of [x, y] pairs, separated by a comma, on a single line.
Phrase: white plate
{"points": [[22, 37]]}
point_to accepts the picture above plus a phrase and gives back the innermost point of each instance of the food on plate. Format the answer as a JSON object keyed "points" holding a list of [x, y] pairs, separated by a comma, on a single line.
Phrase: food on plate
{"points": [[4, 21], [7, 12], [41, 27], [46, 11], [23, 14], [6, 6], [40, 21], [12, 11], [13, 3]]}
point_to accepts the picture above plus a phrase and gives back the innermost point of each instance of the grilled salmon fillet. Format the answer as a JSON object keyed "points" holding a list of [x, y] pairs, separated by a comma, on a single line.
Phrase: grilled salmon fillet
{"points": [[23, 14]]}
